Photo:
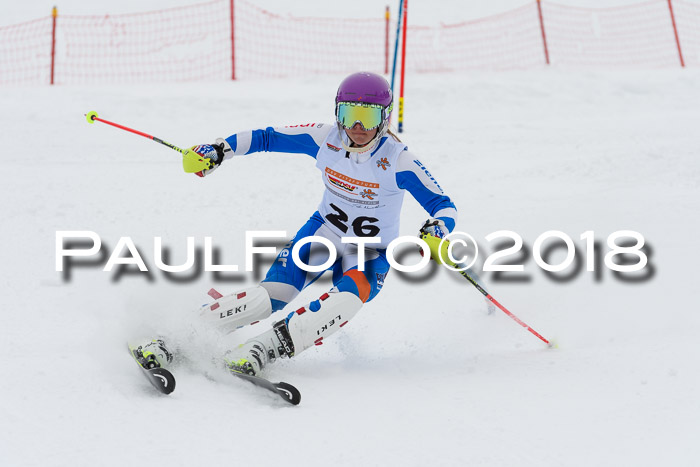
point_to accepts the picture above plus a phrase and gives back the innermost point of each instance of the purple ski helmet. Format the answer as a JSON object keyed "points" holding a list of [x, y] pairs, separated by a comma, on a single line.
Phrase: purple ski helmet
{"points": [[364, 88]]}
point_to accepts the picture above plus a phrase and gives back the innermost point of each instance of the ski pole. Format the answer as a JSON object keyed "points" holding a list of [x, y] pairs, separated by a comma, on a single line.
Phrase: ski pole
{"points": [[191, 161], [439, 250], [504, 309]]}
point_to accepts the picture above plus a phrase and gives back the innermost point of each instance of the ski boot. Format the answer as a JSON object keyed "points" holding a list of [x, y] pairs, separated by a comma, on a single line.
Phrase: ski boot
{"points": [[306, 327], [152, 354], [254, 354]]}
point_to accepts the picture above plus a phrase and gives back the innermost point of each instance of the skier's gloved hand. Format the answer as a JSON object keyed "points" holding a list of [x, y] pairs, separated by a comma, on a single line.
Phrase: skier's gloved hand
{"points": [[432, 233], [434, 227], [214, 152]]}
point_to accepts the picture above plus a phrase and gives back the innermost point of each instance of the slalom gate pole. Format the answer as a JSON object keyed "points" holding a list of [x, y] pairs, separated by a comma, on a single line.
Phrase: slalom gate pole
{"points": [[387, 17], [233, 41], [403, 64], [191, 161], [504, 309], [396, 45]]}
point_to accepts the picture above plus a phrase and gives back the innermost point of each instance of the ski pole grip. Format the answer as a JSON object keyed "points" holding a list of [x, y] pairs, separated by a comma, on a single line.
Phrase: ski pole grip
{"points": [[438, 249], [193, 162]]}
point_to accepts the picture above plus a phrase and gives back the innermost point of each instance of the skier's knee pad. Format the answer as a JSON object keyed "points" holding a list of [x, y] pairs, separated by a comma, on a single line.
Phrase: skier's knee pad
{"points": [[355, 282], [366, 285], [231, 312], [310, 325]]}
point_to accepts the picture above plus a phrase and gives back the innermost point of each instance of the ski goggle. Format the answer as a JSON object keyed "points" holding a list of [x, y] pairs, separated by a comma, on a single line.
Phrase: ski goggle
{"points": [[370, 116]]}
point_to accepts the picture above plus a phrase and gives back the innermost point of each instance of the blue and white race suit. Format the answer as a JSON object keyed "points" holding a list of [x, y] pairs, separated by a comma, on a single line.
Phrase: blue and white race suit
{"points": [[363, 197]]}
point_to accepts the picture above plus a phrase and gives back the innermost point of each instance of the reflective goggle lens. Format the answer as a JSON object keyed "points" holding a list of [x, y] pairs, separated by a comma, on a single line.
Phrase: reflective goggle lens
{"points": [[369, 115]]}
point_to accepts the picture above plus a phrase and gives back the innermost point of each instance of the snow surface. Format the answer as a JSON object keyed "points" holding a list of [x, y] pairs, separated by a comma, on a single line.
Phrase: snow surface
{"points": [[423, 375]]}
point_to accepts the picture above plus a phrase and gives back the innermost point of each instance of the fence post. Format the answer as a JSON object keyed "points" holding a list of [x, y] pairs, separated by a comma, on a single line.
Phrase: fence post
{"points": [[675, 31], [233, 44], [544, 36], [54, 14], [386, 42]]}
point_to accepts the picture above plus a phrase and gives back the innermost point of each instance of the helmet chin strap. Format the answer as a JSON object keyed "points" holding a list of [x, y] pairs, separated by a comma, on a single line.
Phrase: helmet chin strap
{"points": [[367, 147]]}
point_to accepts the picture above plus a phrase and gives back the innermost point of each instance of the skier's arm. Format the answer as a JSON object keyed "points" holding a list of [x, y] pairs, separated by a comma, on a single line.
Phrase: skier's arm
{"points": [[413, 176], [297, 139]]}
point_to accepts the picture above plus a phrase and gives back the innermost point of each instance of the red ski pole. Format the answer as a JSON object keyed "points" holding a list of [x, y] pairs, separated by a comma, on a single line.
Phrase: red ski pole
{"points": [[191, 161], [504, 309], [439, 250]]}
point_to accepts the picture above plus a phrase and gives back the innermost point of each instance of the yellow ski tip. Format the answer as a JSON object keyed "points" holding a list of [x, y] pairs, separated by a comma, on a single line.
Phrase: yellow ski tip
{"points": [[91, 116], [193, 162]]}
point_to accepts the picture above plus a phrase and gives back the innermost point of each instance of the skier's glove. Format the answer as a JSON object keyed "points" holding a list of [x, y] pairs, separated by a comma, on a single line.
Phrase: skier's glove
{"points": [[213, 152], [432, 233], [434, 227]]}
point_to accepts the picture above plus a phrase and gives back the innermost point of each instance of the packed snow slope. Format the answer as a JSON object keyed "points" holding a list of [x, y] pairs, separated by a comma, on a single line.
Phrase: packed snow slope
{"points": [[423, 375]]}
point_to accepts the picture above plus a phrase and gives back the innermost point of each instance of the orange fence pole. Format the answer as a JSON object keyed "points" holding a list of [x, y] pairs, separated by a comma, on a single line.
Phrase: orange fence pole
{"points": [[54, 14]]}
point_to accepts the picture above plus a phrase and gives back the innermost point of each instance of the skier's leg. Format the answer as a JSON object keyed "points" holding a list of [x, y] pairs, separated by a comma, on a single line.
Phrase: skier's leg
{"points": [[365, 284], [283, 282], [238, 309], [303, 328], [311, 324], [285, 279]]}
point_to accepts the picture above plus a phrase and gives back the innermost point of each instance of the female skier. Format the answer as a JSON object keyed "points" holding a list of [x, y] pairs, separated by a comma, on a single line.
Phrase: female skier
{"points": [[366, 170]]}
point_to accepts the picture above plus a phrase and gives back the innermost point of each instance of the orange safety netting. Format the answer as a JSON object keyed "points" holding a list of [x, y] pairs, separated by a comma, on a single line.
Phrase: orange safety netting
{"points": [[195, 43]]}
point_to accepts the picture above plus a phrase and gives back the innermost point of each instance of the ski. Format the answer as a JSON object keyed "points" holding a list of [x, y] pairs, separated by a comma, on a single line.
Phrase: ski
{"points": [[286, 391], [161, 379], [164, 381]]}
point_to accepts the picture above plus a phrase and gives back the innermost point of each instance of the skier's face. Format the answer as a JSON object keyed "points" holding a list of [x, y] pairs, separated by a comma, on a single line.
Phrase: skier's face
{"points": [[359, 135]]}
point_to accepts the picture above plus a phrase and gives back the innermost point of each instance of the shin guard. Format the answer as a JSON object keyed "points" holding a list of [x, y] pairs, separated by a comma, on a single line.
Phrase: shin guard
{"points": [[310, 325], [246, 307]]}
